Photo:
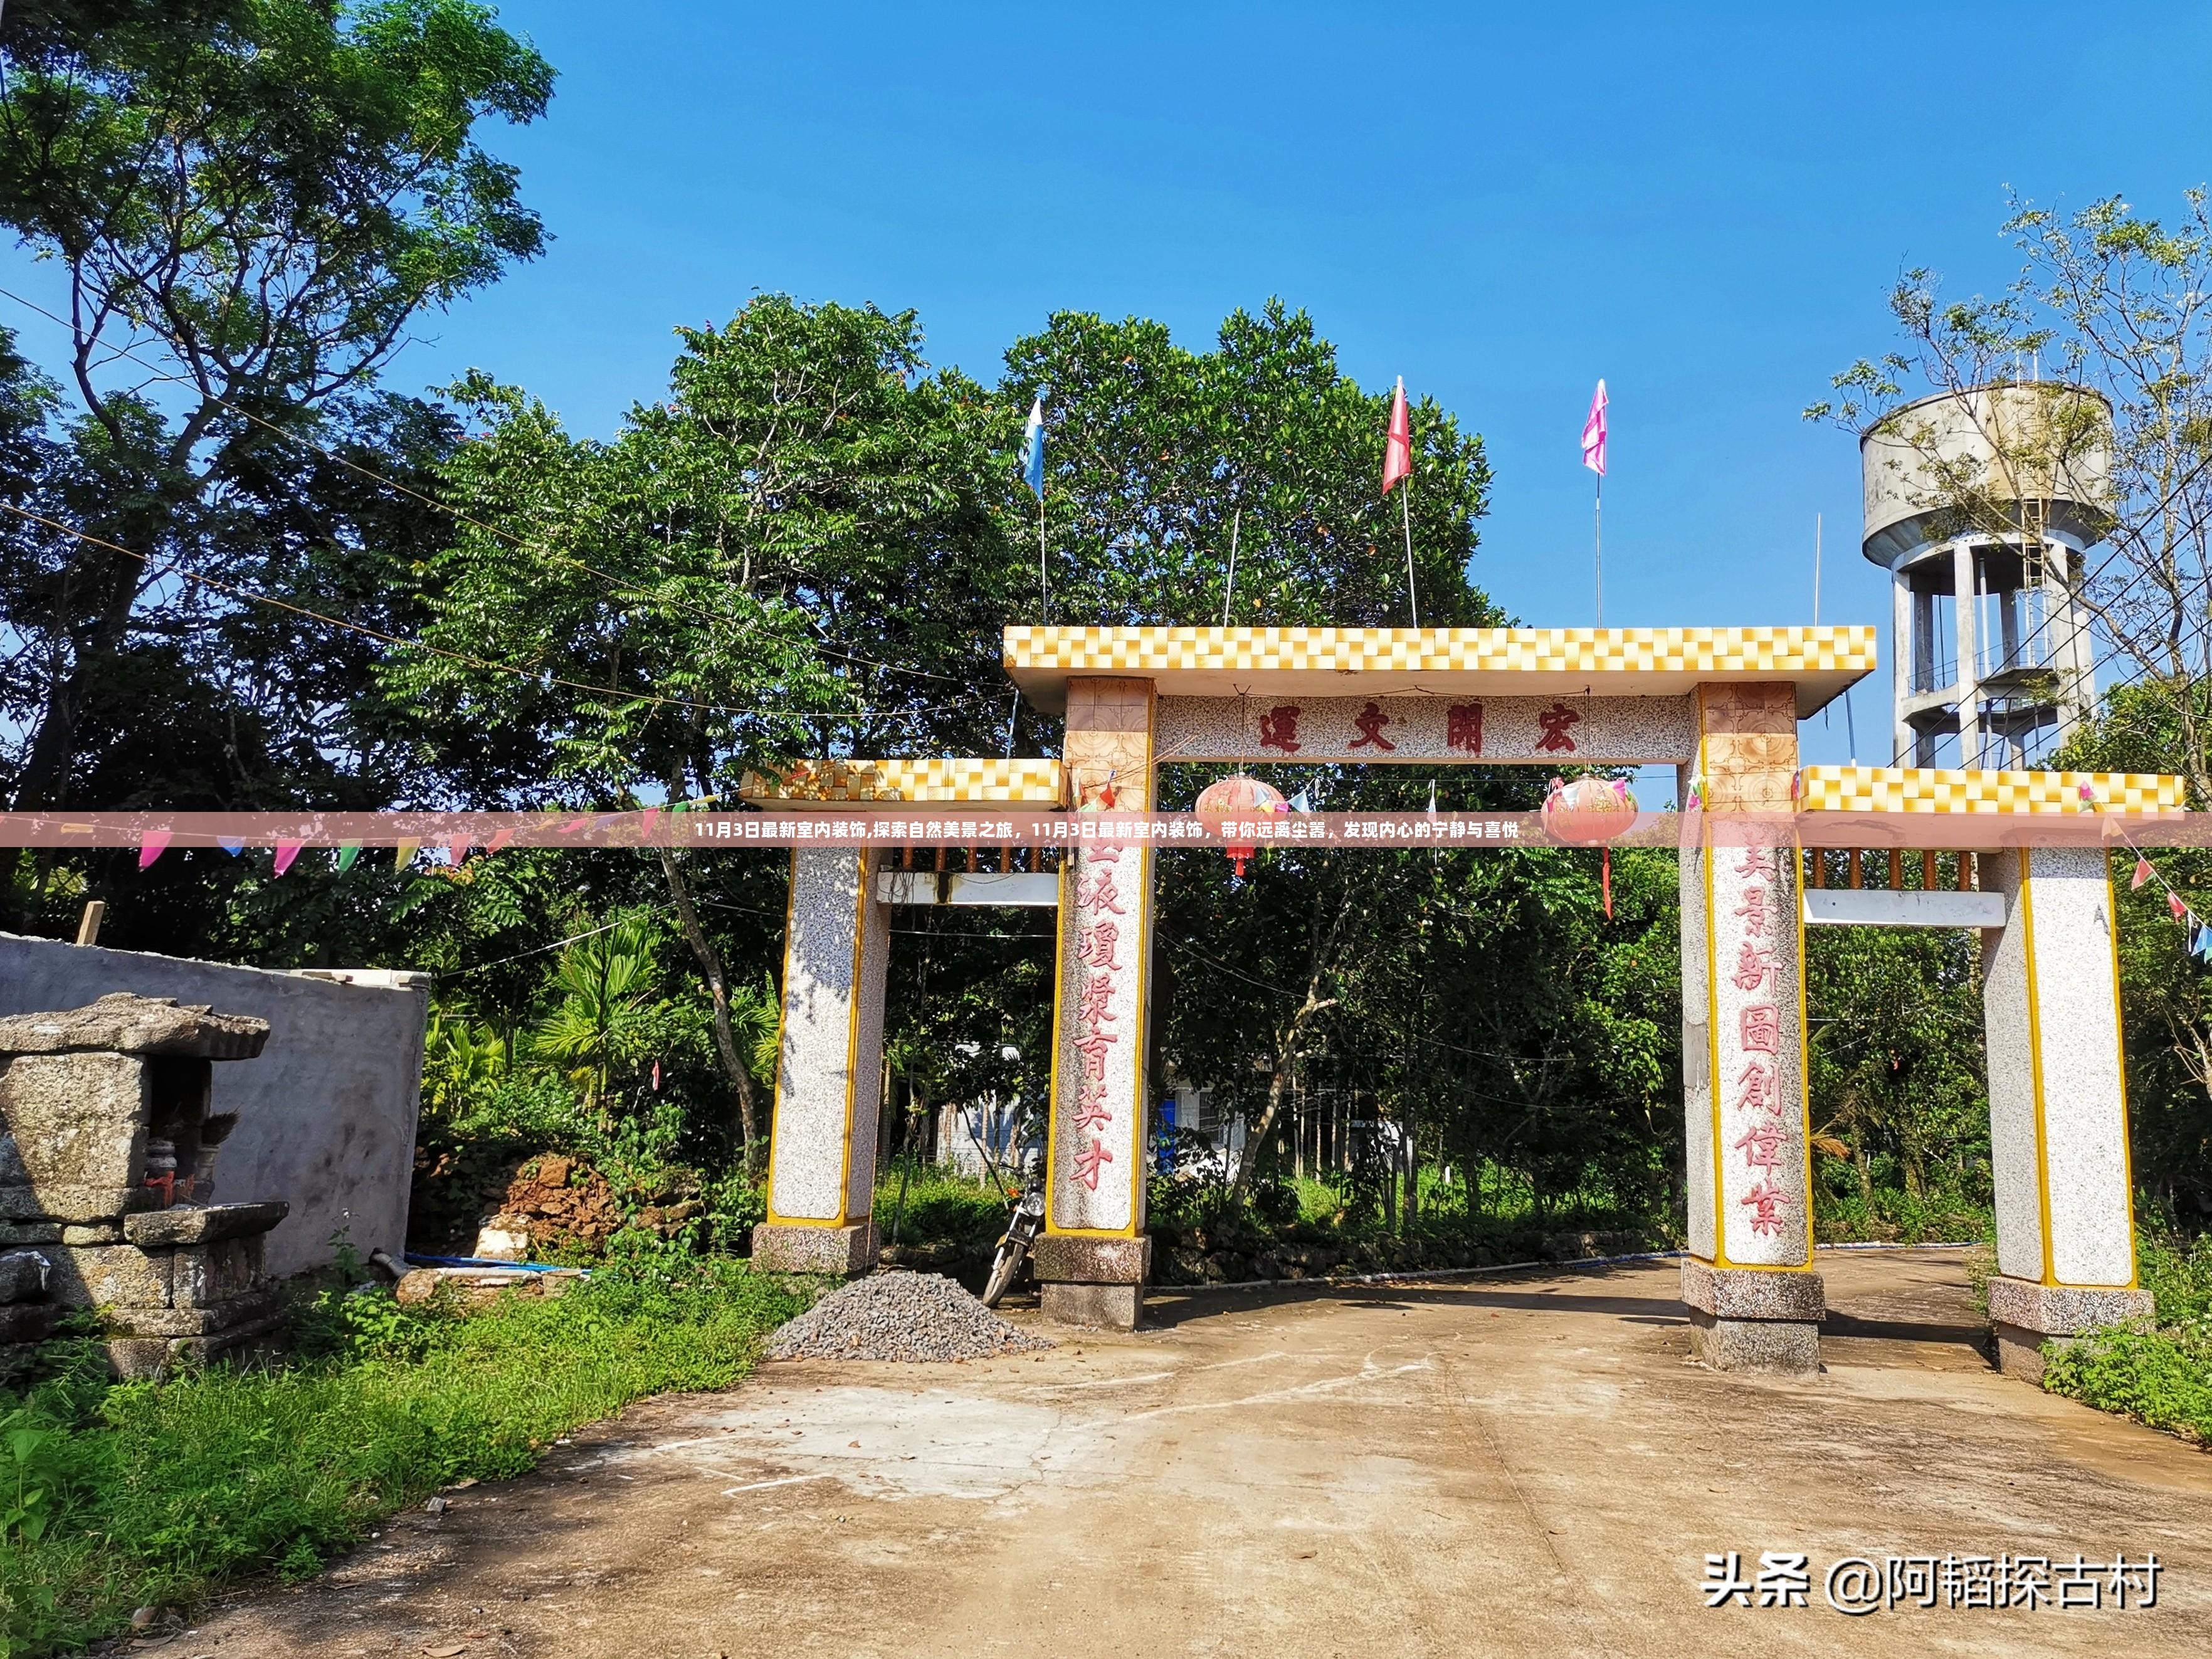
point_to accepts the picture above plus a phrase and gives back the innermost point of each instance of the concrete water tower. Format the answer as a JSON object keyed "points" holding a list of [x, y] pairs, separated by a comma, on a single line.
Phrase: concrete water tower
{"points": [[1981, 504]]}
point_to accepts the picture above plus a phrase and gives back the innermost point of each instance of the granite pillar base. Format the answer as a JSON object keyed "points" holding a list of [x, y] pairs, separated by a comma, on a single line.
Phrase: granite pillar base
{"points": [[1094, 1283], [1748, 1319], [784, 1247], [2027, 1319]]}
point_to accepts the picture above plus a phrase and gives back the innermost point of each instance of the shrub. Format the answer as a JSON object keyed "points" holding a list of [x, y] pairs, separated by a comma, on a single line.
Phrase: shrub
{"points": [[2159, 1374]]}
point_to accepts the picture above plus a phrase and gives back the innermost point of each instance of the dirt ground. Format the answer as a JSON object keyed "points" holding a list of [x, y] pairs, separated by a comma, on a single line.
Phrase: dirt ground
{"points": [[1524, 1464]]}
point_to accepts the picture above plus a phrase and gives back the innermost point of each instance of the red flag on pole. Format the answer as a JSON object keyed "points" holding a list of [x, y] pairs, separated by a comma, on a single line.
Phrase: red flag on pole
{"points": [[1398, 453]]}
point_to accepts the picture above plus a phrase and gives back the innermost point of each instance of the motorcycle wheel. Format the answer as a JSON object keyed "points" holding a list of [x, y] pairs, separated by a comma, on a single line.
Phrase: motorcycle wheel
{"points": [[1003, 1271]]}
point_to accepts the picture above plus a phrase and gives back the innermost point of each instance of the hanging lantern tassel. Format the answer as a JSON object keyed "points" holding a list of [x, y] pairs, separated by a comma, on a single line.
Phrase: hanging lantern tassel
{"points": [[1591, 812], [1230, 800]]}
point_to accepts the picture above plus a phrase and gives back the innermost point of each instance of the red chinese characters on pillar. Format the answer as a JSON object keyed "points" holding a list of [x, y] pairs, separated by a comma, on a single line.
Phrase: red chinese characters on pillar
{"points": [[1555, 725], [1759, 1028], [1279, 728], [1767, 1202], [1463, 729], [1098, 900], [1089, 1160], [1094, 945], [1370, 720], [1768, 1140], [1761, 1143]]}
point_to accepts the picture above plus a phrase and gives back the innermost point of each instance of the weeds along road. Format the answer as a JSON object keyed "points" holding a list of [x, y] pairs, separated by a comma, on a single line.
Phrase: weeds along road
{"points": [[1522, 1465]]}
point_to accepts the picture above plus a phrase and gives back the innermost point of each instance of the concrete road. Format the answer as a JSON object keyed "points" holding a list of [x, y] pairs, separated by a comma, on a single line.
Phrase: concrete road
{"points": [[1524, 1464]]}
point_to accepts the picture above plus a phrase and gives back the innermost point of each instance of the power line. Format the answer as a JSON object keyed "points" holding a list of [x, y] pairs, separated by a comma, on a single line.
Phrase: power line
{"points": [[535, 677], [453, 512]]}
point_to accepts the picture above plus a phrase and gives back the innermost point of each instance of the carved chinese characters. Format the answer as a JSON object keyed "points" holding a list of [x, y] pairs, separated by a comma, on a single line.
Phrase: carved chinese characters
{"points": [[1406, 728], [1096, 1155], [1758, 1125]]}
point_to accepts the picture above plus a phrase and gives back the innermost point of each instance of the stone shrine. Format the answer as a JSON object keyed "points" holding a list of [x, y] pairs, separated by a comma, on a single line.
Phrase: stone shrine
{"points": [[107, 1166]]}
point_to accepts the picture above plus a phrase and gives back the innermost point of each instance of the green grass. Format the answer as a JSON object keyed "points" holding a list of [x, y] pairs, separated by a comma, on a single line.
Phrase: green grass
{"points": [[941, 1206], [2158, 1374], [154, 1493]]}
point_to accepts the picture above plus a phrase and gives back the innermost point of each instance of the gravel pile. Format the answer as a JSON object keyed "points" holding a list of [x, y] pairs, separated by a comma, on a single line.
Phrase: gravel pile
{"points": [[908, 1316]]}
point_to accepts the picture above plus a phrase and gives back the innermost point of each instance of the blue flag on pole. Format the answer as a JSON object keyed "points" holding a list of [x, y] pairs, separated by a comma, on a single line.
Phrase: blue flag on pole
{"points": [[1033, 448]]}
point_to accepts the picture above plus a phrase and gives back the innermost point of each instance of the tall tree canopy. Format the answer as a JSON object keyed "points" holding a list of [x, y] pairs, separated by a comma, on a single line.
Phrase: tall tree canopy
{"points": [[1159, 456], [249, 202]]}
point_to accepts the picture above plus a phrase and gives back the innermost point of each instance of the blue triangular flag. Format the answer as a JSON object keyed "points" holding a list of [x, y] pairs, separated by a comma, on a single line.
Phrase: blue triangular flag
{"points": [[230, 845], [1302, 802], [1033, 447]]}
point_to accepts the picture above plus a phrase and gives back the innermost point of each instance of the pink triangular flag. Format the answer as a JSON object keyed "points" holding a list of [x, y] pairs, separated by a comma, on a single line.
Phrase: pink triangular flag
{"points": [[2143, 872], [2174, 903], [151, 845], [1594, 433], [652, 817], [1398, 448], [500, 839], [458, 850], [286, 852]]}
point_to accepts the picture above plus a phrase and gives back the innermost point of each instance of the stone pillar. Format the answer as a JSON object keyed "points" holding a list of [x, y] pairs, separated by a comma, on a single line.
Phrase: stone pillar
{"points": [[2058, 1115], [1755, 1302], [828, 1074], [1092, 1258]]}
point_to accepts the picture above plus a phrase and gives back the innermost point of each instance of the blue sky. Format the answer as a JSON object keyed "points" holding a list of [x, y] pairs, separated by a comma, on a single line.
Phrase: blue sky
{"points": [[1704, 205]]}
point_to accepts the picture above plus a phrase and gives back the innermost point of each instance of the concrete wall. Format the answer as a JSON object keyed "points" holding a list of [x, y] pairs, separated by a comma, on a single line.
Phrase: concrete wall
{"points": [[326, 1115]]}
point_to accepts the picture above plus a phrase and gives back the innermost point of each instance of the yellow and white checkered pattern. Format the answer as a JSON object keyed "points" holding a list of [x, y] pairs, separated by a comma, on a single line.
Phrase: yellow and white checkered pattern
{"points": [[1780, 652], [1928, 789], [868, 782]]}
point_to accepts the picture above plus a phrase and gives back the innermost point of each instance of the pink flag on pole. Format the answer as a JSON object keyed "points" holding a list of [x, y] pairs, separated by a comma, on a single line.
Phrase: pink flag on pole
{"points": [[1594, 434], [1398, 453]]}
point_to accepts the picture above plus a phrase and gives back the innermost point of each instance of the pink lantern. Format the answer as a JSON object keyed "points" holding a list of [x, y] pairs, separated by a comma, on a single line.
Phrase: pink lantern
{"points": [[1236, 798], [1591, 812]]}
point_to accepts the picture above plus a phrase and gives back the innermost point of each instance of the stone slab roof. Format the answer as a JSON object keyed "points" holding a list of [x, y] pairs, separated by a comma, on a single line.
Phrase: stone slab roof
{"points": [[121, 1023]]}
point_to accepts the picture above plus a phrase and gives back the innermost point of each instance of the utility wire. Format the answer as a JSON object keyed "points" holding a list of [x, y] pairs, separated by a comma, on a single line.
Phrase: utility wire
{"points": [[535, 677], [431, 501]]}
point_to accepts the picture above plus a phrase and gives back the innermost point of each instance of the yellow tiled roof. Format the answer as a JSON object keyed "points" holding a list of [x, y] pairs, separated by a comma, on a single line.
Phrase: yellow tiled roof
{"points": [[883, 782], [1500, 661], [1928, 789]]}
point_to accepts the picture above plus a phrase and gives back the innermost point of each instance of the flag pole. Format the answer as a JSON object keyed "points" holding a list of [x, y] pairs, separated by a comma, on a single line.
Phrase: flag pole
{"points": [[1597, 519], [1044, 578], [1406, 507]]}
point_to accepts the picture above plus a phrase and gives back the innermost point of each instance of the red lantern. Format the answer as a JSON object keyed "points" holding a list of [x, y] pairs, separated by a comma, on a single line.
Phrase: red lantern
{"points": [[1591, 812], [1236, 799]]}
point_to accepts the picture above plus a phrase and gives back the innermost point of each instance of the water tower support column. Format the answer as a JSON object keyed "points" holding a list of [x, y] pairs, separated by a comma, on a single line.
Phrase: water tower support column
{"points": [[1755, 1302], [1967, 633]]}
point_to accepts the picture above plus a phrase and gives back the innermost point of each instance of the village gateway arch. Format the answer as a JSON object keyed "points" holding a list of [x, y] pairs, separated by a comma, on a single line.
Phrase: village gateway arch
{"points": [[1720, 705]]}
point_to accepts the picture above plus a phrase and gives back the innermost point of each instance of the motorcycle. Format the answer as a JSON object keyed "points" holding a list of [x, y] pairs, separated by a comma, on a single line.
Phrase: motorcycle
{"points": [[1021, 1235]]}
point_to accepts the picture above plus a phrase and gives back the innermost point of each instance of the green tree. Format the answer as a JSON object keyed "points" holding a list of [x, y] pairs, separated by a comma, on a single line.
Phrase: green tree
{"points": [[792, 554], [248, 201], [1158, 457], [1898, 1085]]}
